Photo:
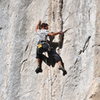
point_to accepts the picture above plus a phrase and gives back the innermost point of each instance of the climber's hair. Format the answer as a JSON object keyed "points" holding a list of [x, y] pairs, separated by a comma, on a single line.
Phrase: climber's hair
{"points": [[44, 25]]}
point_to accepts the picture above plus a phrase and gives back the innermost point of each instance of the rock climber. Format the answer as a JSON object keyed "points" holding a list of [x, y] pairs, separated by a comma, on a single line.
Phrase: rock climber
{"points": [[43, 46]]}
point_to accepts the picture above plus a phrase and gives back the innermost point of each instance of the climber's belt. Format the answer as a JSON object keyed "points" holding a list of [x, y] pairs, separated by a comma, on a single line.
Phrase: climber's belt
{"points": [[43, 45], [40, 44]]}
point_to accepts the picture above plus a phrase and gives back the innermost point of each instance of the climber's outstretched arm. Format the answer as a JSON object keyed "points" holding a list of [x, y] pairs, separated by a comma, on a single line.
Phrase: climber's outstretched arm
{"points": [[53, 34], [38, 26]]}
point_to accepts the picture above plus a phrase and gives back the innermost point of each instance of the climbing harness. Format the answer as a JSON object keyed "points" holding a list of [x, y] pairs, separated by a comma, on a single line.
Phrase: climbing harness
{"points": [[43, 46]]}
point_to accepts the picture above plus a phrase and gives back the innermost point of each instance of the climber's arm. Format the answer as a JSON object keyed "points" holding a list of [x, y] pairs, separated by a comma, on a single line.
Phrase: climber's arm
{"points": [[38, 26], [53, 34]]}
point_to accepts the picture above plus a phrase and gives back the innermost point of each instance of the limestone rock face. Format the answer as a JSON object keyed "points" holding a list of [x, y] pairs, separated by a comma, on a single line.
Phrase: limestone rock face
{"points": [[79, 49]]}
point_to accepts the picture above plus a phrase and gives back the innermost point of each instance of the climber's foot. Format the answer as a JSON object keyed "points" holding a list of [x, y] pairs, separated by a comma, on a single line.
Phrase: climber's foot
{"points": [[38, 70], [64, 71]]}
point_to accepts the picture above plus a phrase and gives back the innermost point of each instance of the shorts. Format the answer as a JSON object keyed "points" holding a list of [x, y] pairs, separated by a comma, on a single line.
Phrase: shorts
{"points": [[53, 55]]}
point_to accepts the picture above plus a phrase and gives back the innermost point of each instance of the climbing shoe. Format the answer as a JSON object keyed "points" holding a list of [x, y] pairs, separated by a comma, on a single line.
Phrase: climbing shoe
{"points": [[64, 71], [38, 70]]}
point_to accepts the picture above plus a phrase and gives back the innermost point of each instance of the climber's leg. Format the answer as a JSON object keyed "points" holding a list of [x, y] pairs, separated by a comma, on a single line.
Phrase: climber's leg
{"points": [[39, 67], [58, 60], [46, 59], [39, 62], [61, 67]]}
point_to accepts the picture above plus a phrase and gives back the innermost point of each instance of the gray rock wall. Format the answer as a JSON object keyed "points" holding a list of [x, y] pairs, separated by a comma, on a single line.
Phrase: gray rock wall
{"points": [[80, 50]]}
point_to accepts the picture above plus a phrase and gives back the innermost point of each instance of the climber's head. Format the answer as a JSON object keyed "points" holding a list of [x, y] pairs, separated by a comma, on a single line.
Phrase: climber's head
{"points": [[44, 26]]}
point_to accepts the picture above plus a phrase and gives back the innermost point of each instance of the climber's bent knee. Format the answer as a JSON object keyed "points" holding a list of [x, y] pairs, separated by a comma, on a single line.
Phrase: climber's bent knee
{"points": [[53, 54]]}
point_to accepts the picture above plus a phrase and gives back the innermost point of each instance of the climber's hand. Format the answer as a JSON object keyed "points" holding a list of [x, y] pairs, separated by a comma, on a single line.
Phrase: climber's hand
{"points": [[39, 22]]}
